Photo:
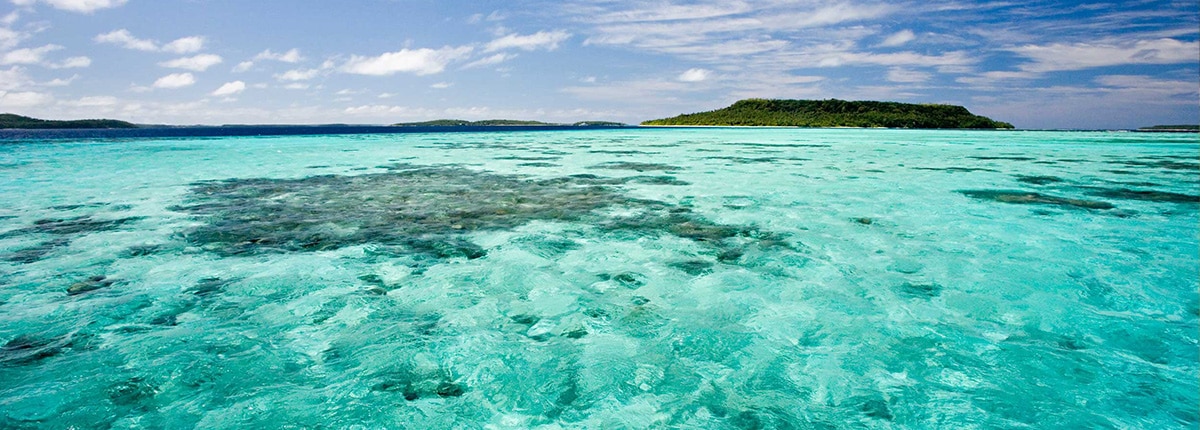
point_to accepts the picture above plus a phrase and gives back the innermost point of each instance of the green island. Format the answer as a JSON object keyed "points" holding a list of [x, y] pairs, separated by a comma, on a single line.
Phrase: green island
{"points": [[834, 113], [501, 122], [1184, 128], [8, 120]]}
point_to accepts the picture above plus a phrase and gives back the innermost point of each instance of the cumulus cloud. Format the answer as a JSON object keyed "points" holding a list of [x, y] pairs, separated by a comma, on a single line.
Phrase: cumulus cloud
{"points": [[694, 75], [230, 88], [10, 38], [1059, 57], [28, 55], [60, 82], [298, 75], [23, 99], [197, 63], [902, 75], [14, 78], [127, 40], [185, 45], [422, 61], [490, 60], [175, 80], [81, 6], [899, 38], [441, 85], [548, 40], [73, 63], [292, 56]]}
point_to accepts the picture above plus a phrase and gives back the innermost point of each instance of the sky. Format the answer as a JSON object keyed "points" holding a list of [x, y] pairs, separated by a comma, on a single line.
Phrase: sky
{"points": [[1036, 64]]}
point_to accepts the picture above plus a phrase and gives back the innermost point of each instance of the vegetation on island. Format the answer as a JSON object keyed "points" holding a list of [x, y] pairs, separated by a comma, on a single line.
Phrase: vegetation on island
{"points": [[8, 120], [835, 113], [501, 123], [1176, 128]]}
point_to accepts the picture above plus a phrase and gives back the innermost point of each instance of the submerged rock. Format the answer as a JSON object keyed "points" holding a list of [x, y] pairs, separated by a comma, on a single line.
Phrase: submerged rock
{"points": [[1026, 197], [1145, 195], [25, 349], [37, 252], [92, 283], [919, 291], [637, 167], [1039, 180]]}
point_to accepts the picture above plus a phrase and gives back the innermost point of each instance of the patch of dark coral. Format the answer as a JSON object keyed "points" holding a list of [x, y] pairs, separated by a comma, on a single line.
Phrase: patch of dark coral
{"points": [[957, 169], [637, 167], [36, 252], [423, 211], [1144, 195], [70, 226], [1026, 197], [1039, 180], [1002, 157], [31, 348]]}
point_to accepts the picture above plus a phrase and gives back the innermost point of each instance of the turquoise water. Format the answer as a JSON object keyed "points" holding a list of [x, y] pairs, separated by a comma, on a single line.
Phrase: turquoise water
{"points": [[631, 278]]}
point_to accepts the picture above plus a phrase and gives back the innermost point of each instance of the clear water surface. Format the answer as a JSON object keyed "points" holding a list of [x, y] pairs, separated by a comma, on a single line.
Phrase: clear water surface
{"points": [[624, 278]]}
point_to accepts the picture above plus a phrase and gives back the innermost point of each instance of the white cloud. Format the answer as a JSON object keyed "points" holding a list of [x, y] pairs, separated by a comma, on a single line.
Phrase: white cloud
{"points": [[292, 56], [81, 6], [59, 82], [10, 19], [14, 78], [441, 85], [243, 66], [198, 63], [296, 86], [23, 99], [1150, 84], [28, 55], [694, 75], [422, 61], [899, 38], [902, 75], [92, 102], [547, 40], [185, 45], [175, 80], [298, 75], [10, 38], [490, 60], [230, 88], [125, 39], [73, 63], [1066, 57]]}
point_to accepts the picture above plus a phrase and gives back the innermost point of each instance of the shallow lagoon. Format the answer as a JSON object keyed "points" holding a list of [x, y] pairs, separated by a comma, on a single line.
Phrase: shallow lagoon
{"points": [[636, 278]]}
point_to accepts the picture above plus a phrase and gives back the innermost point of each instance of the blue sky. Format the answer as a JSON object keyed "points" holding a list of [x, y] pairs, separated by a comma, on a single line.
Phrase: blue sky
{"points": [[1037, 64]]}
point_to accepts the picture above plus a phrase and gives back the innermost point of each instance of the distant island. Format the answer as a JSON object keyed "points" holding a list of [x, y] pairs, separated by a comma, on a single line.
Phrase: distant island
{"points": [[834, 113], [1186, 128], [8, 120], [501, 122]]}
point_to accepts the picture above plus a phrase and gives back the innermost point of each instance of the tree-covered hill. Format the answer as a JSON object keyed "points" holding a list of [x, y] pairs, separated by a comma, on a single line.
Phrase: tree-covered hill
{"points": [[835, 113], [8, 120]]}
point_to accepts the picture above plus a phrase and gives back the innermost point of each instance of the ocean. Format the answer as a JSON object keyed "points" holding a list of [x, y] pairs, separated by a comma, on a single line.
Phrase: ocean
{"points": [[600, 278]]}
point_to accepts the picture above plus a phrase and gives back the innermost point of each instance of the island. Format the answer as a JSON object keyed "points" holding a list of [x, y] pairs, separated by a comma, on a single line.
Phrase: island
{"points": [[503, 123], [8, 120], [1184, 128], [834, 113]]}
